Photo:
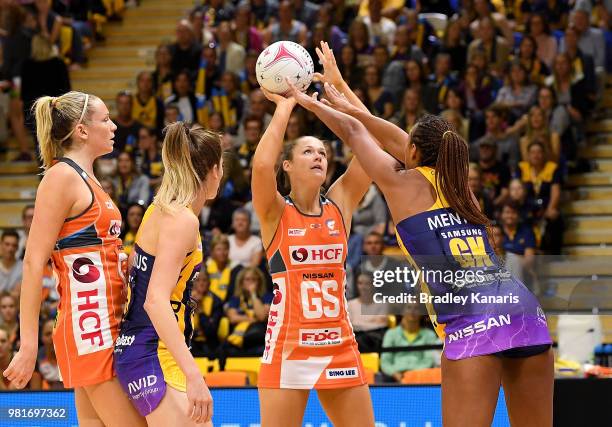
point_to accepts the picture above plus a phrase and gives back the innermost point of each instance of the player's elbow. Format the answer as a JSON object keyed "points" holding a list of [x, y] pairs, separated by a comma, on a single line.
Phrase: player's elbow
{"points": [[262, 164], [151, 304]]}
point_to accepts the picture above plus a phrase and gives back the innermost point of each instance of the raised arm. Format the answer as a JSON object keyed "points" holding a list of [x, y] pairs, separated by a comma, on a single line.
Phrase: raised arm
{"points": [[386, 134], [378, 164], [267, 202]]}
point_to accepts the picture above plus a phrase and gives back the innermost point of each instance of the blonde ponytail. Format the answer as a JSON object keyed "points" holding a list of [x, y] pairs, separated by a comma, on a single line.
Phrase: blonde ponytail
{"points": [[44, 123], [180, 184], [56, 121]]}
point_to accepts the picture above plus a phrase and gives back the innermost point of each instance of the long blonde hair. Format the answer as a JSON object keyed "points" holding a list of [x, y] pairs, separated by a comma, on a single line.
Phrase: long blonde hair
{"points": [[56, 121], [188, 154]]}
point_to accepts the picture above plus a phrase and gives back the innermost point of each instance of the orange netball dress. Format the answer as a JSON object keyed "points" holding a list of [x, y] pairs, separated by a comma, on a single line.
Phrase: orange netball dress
{"points": [[309, 340], [87, 260]]}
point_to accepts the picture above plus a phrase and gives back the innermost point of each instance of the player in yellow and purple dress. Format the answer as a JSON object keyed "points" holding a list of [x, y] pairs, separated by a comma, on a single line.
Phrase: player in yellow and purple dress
{"points": [[494, 330]]}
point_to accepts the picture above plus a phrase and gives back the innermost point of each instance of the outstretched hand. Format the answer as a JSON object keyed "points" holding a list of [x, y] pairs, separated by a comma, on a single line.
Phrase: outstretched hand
{"points": [[306, 101], [331, 72], [337, 100]]}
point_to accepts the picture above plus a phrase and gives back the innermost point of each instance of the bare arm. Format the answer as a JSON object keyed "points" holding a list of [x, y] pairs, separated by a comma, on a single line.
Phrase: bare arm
{"points": [[176, 238], [50, 211], [380, 165], [393, 140], [267, 202]]}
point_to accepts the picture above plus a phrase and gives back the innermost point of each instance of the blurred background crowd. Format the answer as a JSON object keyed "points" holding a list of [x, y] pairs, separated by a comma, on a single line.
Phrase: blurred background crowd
{"points": [[518, 79]]}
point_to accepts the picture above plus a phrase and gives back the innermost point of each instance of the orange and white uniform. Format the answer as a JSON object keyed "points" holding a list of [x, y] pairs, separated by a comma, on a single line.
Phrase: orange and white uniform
{"points": [[87, 260], [309, 339]]}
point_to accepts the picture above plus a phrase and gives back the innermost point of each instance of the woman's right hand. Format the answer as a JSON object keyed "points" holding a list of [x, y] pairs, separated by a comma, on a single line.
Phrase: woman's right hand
{"points": [[279, 100], [20, 370], [200, 407]]}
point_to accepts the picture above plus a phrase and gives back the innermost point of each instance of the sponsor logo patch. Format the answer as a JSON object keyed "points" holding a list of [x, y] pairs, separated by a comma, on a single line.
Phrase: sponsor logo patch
{"points": [[296, 232], [335, 374], [275, 320], [115, 228], [90, 319], [125, 340], [320, 337], [316, 254]]}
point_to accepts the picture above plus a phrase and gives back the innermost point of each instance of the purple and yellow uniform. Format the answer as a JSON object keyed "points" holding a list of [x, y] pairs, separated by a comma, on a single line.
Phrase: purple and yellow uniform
{"points": [[476, 306], [143, 363]]}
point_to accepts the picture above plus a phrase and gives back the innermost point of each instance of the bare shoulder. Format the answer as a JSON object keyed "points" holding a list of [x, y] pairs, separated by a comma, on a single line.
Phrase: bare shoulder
{"points": [[60, 184], [178, 223], [59, 174]]}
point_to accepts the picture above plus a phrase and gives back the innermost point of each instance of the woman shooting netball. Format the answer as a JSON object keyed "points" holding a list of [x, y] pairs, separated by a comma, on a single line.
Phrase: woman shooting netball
{"points": [[309, 341]]}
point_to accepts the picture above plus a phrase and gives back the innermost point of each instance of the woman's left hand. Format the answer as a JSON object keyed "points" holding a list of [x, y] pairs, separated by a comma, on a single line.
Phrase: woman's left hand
{"points": [[308, 102]]}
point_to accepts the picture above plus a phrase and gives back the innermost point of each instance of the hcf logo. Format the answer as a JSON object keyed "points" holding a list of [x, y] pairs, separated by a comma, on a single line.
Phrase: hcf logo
{"points": [[316, 254]]}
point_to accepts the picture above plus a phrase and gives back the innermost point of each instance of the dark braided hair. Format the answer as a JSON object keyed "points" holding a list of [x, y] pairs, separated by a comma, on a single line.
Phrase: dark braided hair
{"points": [[442, 148]]}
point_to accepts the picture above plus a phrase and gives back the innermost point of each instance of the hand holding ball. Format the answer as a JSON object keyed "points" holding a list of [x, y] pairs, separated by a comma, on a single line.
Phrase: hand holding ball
{"points": [[284, 59]]}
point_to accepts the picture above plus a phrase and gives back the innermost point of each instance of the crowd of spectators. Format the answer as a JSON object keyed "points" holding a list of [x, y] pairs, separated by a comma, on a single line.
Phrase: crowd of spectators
{"points": [[518, 79]]}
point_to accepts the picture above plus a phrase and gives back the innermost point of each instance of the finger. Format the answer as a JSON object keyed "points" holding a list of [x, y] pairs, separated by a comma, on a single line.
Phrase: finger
{"points": [[8, 371], [197, 412], [320, 55], [190, 407], [209, 412], [318, 77], [292, 87], [315, 96], [326, 102], [332, 90], [329, 54], [19, 383]]}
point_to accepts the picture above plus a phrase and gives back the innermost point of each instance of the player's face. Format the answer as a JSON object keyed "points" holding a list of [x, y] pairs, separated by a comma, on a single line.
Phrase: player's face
{"points": [[309, 161], [100, 129], [8, 309]]}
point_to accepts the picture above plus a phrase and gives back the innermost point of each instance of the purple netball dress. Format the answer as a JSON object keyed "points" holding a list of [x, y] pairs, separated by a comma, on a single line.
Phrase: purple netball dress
{"points": [[475, 305]]}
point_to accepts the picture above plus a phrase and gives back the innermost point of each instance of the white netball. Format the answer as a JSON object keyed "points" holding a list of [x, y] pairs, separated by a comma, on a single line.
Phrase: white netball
{"points": [[284, 59]]}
